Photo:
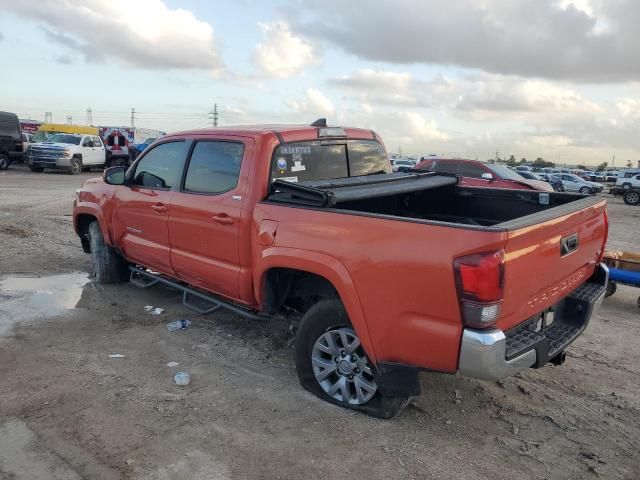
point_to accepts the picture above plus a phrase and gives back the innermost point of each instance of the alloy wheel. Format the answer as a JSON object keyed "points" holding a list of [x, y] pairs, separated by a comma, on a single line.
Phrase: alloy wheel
{"points": [[341, 367]]}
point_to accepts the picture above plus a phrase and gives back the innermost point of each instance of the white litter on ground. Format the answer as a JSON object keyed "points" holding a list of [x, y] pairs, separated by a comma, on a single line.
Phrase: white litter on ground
{"points": [[172, 364], [116, 355], [157, 311]]}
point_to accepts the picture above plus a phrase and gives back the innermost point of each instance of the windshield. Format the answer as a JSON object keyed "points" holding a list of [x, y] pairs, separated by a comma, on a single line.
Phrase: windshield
{"points": [[64, 138], [505, 172], [40, 136], [327, 159]]}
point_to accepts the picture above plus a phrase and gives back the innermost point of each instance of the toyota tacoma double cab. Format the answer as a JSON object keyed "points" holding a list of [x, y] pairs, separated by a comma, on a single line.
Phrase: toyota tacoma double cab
{"points": [[387, 273]]}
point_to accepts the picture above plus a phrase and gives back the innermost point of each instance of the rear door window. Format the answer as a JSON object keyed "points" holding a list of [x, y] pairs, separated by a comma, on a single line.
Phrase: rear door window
{"points": [[445, 166], [9, 125], [214, 167], [470, 170]]}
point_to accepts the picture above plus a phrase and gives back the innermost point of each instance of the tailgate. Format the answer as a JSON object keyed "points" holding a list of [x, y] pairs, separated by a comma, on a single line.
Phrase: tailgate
{"points": [[546, 261]]}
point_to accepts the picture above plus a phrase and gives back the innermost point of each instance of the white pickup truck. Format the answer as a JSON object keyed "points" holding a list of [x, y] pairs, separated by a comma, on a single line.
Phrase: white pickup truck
{"points": [[66, 151]]}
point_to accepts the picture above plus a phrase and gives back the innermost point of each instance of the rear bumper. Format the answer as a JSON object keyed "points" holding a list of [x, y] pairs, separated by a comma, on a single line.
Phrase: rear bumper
{"points": [[494, 354]]}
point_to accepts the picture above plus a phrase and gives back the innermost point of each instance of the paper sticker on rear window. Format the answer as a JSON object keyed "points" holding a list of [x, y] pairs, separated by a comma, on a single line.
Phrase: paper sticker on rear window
{"points": [[293, 149], [288, 179]]}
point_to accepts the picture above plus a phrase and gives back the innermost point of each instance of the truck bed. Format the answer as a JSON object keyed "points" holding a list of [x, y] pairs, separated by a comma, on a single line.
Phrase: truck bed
{"points": [[431, 197]]}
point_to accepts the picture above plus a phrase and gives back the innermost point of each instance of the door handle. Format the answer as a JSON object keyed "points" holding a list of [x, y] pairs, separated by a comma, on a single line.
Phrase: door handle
{"points": [[223, 219], [159, 207]]}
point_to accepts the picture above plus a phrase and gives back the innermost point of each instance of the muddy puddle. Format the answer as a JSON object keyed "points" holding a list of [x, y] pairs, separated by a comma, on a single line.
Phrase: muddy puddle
{"points": [[26, 299]]}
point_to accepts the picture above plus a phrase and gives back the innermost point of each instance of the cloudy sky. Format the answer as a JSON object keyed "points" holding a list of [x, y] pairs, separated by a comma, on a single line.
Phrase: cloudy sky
{"points": [[553, 78]]}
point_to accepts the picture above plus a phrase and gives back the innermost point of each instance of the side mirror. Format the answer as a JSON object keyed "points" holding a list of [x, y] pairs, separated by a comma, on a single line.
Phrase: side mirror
{"points": [[487, 176], [114, 175]]}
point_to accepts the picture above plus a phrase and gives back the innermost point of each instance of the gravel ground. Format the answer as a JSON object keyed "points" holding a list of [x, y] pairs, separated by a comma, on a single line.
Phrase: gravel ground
{"points": [[68, 410]]}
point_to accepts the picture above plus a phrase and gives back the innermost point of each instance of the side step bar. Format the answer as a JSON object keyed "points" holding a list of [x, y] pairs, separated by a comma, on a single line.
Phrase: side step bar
{"points": [[199, 302]]}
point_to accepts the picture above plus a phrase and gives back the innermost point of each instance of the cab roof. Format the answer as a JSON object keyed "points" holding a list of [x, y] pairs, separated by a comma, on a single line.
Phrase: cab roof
{"points": [[286, 133]]}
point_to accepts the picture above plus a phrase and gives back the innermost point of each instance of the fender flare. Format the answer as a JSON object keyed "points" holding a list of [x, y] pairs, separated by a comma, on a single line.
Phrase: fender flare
{"points": [[87, 208], [324, 266]]}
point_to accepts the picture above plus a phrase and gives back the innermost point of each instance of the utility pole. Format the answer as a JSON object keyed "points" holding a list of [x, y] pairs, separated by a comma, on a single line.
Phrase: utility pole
{"points": [[48, 117], [497, 156], [69, 120], [89, 117], [213, 115], [133, 117], [613, 161]]}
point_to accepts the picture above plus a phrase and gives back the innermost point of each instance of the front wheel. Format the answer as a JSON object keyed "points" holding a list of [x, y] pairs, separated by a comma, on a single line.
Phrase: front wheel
{"points": [[4, 162], [76, 166], [585, 190], [632, 197], [332, 364], [108, 266]]}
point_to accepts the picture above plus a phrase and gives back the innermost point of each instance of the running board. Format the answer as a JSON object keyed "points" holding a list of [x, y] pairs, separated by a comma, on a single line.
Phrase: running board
{"points": [[199, 302]]}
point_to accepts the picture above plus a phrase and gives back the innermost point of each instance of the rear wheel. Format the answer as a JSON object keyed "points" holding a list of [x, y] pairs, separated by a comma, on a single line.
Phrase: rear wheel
{"points": [[585, 190], [4, 162], [632, 197], [76, 166], [332, 364], [108, 266]]}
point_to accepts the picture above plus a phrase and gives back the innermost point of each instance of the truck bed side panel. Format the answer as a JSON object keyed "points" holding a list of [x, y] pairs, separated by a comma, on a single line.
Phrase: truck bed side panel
{"points": [[402, 274]]}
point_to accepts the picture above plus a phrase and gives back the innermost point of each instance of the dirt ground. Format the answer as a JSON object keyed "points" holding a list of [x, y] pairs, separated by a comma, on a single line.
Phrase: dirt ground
{"points": [[68, 410]]}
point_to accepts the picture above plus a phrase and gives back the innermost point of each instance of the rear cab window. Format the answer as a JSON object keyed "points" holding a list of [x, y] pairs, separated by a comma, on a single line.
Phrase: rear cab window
{"points": [[328, 159]]}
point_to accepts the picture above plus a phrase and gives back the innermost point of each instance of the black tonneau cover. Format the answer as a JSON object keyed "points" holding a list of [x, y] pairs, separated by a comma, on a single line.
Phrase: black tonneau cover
{"points": [[323, 193]]}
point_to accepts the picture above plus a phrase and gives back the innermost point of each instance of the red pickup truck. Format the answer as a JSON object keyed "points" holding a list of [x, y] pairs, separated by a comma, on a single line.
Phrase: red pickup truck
{"points": [[387, 273]]}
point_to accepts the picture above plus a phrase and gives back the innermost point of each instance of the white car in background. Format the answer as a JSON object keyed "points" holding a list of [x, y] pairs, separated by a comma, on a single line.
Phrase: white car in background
{"points": [[573, 183], [627, 183]]}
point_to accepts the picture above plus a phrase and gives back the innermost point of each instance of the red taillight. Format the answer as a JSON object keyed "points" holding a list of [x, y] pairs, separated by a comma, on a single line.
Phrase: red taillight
{"points": [[480, 282]]}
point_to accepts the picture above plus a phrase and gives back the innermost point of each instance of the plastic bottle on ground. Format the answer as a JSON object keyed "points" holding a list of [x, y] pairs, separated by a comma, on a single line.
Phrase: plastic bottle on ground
{"points": [[182, 378], [178, 325]]}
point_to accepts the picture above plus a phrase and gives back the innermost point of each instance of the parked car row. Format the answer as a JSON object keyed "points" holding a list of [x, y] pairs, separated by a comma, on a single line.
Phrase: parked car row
{"points": [[70, 147]]}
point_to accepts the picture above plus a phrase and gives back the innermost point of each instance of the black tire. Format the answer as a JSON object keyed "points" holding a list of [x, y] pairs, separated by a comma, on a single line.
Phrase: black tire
{"points": [[323, 317], [36, 169], [626, 186], [611, 288], [585, 190], [108, 266], [76, 166], [4, 162], [632, 197]]}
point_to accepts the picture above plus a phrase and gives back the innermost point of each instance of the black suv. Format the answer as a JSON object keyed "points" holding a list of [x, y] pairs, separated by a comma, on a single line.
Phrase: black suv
{"points": [[10, 139]]}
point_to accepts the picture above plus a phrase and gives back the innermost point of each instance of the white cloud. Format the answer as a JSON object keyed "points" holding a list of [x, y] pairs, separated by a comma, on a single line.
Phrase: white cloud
{"points": [[141, 33], [582, 40], [629, 107], [282, 54], [479, 95], [315, 102]]}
